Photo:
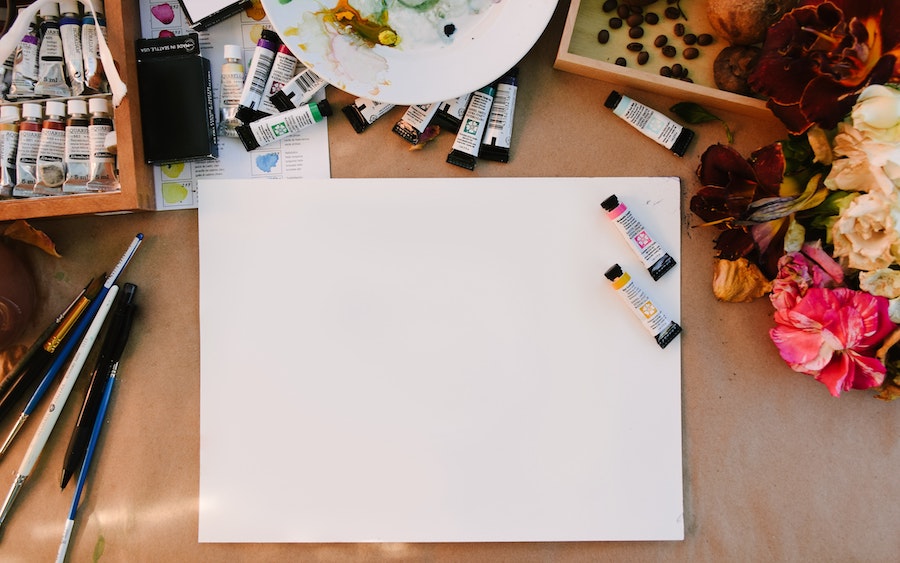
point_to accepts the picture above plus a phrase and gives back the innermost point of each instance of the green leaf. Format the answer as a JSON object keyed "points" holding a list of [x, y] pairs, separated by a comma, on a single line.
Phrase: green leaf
{"points": [[695, 113]]}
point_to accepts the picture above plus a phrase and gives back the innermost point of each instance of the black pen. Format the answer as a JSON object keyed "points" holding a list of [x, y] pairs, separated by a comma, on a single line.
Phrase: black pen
{"points": [[30, 369], [110, 352]]}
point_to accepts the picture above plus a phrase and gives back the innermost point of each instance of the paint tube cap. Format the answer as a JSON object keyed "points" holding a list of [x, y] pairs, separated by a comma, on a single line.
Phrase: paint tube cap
{"points": [[271, 36], [55, 108], [233, 51], [69, 7], [50, 9], [9, 113], [324, 108], [610, 203], [98, 105], [613, 99], [77, 107], [614, 273], [32, 111]]}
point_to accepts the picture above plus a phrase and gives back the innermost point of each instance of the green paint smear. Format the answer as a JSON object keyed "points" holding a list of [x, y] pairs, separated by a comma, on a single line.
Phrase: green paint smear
{"points": [[98, 548]]}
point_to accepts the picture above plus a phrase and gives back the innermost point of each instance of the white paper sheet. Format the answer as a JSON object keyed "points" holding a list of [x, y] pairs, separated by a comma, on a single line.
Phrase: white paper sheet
{"points": [[434, 361]]}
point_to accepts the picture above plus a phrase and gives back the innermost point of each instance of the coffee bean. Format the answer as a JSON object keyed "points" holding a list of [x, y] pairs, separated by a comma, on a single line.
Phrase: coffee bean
{"points": [[643, 57], [636, 32], [603, 36], [665, 71], [634, 20], [704, 39], [635, 46], [678, 29], [610, 5], [652, 18], [689, 38], [623, 11], [669, 51], [677, 70], [621, 61], [691, 53], [672, 13], [615, 23], [660, 40]]}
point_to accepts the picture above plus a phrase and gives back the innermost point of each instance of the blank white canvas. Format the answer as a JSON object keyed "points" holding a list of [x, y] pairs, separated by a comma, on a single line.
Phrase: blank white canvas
{"points": [[440, 360]]}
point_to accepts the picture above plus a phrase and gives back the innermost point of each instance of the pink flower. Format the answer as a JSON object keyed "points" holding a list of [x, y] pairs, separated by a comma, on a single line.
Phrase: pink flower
{"points": [[833, 334], [800, 271]]}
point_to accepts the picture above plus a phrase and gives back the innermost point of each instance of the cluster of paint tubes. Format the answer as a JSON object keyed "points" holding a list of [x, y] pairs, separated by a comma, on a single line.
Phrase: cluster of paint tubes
{"points": [[482, 121], [56, 128], [272, 101]]}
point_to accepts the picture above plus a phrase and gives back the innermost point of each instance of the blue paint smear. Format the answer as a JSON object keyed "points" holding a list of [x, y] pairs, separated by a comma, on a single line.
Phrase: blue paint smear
{"points": [[267, 162]]}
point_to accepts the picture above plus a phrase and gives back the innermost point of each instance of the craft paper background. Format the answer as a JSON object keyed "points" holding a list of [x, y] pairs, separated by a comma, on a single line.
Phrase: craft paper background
{"points": [[434, 360]]}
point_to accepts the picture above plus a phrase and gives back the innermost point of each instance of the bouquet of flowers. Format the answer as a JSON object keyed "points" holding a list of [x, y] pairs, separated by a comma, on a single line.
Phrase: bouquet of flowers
{"points": [[813, 221]]}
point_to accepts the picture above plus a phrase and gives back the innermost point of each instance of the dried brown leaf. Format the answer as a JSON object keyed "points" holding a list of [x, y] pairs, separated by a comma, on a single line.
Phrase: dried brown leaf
{"points": [[23, 232]]}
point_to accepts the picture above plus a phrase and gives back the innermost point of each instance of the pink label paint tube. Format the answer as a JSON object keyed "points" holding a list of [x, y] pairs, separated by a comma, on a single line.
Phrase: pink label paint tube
{"points": [[655, 321], [498, 134], [363, 112], [276, 127], [414, 121], [284, 68], [257, 75], [299, 90], [651, 123], [647, 249], [450, 113], [468, 140]]}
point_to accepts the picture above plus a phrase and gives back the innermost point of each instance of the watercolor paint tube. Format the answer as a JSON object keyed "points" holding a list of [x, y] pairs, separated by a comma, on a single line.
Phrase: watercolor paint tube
{"points": [[651, 123], [497, 137], [51, 63], [450, 113], [414, 121], [93, 30], [299, 90], [284, 68], [468, 140], [230, 90], [6, 72], [27, 150], [276, 127], [78, 148], [103, 163], [654, 320], [25, 66], [70, 32], [657, 261], [51, 170], [257, 76], [9, 140], [363, 112]]}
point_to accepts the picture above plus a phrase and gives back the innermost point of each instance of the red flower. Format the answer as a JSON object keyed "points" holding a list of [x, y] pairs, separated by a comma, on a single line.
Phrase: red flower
{"points": [[817, 59]]}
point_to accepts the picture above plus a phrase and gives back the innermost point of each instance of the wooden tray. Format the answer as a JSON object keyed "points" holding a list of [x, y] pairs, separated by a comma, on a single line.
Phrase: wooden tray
{"points": [[581, 53], [135, 175]]}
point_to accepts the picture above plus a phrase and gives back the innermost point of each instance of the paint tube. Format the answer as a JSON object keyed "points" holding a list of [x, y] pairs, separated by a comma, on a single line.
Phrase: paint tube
{"points": [[644, 246], [51, 171], [6, 72], [284, 68], [497, 137], [27, 150], [299, 90], [655, 321], [51, 66], [276, 127], [450, 113], [468, 139], [70, 32], [25, 66], [414, 121], [651, 123], [103, 163], [94, 76], [78, 148], [363, 112], [230, 90], [9, 140], [257, 76]]}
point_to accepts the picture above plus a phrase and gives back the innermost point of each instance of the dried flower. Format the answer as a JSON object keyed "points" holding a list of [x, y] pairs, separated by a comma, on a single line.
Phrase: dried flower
{"points": [[798, 272], [865, 234], [738, 281], [833, 334]]}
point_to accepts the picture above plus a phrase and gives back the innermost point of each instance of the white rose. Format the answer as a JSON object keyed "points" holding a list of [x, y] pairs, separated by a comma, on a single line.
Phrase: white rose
{"points": [[861, 163], [865, 233], [877, 113], [884, 282]]}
